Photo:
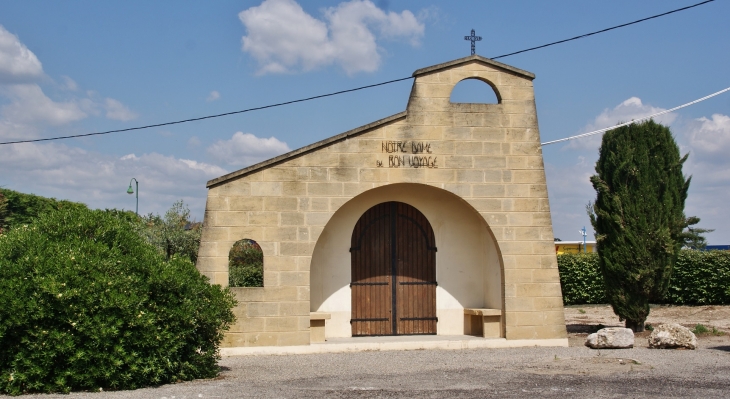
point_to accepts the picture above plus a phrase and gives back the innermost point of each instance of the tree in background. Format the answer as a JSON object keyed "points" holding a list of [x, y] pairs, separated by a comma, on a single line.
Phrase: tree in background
{"points": [[175, 233], [693, 237], [638, 216], [3, 212], [246, 264]]}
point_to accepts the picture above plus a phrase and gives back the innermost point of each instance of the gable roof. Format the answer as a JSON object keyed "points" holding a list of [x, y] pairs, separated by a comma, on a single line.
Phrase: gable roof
{"points": [[466, 60], [365, 128], [305, 149]]}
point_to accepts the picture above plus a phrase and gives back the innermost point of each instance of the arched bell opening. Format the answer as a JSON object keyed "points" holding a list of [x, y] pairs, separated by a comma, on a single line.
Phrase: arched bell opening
{"points": [[475, 91]]}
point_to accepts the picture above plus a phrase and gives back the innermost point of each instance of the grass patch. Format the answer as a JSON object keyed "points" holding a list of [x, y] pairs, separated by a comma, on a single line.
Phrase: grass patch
{"points": [[701, 329]]}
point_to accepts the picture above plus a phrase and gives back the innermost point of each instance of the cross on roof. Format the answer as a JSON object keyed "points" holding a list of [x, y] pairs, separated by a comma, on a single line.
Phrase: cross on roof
{"points": [[473, 40]]}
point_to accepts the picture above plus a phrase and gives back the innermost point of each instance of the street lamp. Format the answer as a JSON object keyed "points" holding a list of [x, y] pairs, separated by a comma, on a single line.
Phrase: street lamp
{"points": [[132, 191], [582, 232]]}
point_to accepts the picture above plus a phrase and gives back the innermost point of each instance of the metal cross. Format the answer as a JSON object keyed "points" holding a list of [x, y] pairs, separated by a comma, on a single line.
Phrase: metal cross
{"points": [[473, 39]]}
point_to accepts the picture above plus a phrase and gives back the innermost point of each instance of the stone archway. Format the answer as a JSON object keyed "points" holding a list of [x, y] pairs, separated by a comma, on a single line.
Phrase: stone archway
{"points": [[469, 268]]}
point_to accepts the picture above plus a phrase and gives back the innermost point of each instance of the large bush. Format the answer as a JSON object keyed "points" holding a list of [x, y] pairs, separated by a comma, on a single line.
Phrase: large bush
{"points": [[88, 304], [23, 208], [699, 278]]}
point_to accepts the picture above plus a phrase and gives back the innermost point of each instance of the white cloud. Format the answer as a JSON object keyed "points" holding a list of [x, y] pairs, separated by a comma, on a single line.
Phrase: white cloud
{"points": [[30, 106], [194, 142], [214, 95], [708, 143], [101, 180], [17, 63], [117, 111], [710, 136], [245, 149], [282, 37], [629, 110], [69, 84], [29, 111]]}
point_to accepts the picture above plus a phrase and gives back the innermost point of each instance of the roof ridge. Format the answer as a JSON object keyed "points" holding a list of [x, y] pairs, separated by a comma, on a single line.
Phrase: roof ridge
{"points": [[303, 150], [485, 60]]}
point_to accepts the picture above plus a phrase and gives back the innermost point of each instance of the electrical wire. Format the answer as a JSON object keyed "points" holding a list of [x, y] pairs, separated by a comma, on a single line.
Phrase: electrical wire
{"points": [[604, 30], [636, 120], [206, 117], [337, 92]]}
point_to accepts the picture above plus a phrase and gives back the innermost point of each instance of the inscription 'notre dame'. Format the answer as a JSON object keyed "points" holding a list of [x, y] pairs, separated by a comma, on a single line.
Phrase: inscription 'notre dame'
{"points": [[420, 157]]}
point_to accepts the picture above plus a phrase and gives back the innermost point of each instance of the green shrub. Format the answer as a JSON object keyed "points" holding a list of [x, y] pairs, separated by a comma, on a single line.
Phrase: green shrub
{"points": [[23, 208], [87, 303], [698, 278], [700, 329], [581, 279], [246, 264]]}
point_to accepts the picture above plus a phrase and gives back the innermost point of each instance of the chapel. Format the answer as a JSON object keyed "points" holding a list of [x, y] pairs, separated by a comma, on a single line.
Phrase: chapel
{"points": [[431, 221]]}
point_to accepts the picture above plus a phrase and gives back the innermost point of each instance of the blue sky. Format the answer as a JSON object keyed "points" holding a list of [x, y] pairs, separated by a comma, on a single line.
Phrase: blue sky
{"points": [[81, 66]]}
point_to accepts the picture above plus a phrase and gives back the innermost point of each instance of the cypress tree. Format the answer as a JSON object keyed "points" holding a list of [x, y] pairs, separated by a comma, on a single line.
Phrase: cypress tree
{"points": [[638, 216]]}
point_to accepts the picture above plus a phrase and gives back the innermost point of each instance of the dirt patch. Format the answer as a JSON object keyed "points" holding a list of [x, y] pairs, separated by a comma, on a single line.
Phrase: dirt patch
{"points": [[582, 320], [586, 365]]}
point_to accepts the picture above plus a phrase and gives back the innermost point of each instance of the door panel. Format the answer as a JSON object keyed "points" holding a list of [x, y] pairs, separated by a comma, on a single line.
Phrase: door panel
{"points": [[393, 272]]}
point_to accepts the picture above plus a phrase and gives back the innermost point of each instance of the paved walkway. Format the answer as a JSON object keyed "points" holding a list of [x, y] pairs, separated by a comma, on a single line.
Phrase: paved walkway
{"points": [[394, 343]]}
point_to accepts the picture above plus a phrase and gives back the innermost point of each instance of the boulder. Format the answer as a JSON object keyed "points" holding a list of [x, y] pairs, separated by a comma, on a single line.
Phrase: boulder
{"points": [[670, 336], [611, 338]]}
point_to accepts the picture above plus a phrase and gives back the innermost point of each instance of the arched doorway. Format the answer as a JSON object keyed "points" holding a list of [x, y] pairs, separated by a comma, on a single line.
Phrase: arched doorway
{"points": [[393, 269]]}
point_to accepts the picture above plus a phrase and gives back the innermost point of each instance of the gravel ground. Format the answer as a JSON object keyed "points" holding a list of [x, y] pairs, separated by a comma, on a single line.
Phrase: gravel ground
{"points": [[482, 373], [523, 372]]}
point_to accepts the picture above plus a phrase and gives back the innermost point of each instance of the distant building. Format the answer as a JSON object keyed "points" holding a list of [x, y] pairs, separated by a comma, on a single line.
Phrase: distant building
{"points": [[717, 248], [574, 247]]}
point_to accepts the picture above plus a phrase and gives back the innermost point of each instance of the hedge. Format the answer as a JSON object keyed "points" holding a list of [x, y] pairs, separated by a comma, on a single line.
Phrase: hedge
{"points": [[699, 278]]}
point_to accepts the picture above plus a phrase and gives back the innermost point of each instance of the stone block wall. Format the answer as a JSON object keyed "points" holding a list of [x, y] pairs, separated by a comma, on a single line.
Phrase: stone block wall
{"points": [[488, 154]]}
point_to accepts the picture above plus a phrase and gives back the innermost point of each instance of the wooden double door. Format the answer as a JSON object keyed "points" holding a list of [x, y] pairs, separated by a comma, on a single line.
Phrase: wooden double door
{"points": [[393, 256]]}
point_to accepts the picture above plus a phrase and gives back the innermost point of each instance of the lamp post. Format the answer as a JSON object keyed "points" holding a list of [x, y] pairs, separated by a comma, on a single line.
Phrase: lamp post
{"points": [[584, 234], [131, 191]]}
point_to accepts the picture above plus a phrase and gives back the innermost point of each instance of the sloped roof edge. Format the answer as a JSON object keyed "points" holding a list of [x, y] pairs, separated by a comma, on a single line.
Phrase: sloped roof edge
{"points": [[488, 61], [306, 149]]}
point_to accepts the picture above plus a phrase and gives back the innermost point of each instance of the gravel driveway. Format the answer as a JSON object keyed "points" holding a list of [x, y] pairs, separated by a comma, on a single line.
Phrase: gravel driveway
{"points": [[523, 372]]}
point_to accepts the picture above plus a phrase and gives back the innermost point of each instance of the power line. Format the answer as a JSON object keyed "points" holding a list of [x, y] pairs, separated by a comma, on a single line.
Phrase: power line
{"points": [[636, 120], [206, 117], [337, 92], [605, 30]]}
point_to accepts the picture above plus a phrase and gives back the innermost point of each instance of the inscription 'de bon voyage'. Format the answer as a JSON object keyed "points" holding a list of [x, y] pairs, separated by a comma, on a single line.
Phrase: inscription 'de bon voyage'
{"points": [[396, 160]]}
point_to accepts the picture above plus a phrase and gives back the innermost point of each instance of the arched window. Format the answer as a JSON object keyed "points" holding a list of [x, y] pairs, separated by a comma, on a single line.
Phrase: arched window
{"points": [[246, 264], [474, 91]]}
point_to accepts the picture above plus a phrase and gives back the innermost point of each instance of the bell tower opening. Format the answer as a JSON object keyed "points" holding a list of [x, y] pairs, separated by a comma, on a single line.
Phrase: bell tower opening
{"points": [[475, 91]]}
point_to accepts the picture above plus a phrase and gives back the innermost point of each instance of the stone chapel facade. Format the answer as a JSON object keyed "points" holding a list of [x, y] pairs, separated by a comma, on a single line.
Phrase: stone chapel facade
{"points": [[431, 221]]}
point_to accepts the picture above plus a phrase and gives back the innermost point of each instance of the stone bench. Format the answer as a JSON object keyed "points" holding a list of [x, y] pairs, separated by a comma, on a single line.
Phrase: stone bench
{"points": [[485, 323], [316, 326]]}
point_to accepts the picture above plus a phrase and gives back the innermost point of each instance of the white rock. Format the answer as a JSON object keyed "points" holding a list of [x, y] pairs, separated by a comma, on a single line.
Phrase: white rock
{"points": [[611, 338], [669, 336]]}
